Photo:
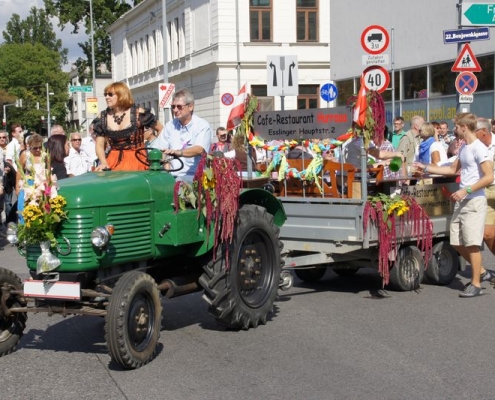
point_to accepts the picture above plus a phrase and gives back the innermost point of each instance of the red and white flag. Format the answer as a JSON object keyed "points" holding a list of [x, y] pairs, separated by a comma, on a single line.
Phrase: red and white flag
{"points": [[360, 106], [237, 111]]}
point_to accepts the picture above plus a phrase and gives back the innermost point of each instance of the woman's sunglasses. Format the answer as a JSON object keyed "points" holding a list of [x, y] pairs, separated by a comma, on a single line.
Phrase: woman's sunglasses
{"points": [[109, 94]]}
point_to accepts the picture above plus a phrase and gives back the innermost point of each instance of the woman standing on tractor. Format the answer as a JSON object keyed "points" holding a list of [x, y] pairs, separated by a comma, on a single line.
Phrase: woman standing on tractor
{"points": [[121, 126]]}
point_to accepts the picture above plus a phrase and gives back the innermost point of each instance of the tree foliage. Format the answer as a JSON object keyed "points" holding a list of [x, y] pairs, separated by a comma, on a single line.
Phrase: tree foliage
{"points": [[76, 13], [25, 69], [36, 28]]}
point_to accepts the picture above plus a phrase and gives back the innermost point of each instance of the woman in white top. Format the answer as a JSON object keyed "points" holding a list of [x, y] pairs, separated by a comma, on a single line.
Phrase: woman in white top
{"points": [[431, 150]]}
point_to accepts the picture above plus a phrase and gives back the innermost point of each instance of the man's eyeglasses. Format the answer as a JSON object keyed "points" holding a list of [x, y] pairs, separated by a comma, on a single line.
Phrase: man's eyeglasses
{"points": [[36, 148], [109, 94], [178, 106], [76, 140]]}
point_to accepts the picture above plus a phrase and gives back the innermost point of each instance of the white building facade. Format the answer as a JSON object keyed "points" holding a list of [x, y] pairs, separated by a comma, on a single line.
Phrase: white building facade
{"points": [[213, 47]]}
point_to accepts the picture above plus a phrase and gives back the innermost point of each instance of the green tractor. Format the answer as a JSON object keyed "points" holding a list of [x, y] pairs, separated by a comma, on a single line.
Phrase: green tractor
{"points": [[124, 245]]}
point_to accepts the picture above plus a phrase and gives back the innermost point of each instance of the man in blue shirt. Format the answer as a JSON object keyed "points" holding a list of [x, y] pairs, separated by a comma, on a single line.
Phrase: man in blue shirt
{"points": [[187, 136]]}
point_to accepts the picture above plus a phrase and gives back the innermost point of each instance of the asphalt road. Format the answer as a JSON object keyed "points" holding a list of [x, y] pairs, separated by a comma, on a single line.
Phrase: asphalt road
{"points": [[331, 340]]}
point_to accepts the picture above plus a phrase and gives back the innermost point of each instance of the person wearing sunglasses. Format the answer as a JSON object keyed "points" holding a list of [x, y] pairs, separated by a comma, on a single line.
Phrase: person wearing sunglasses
{"points": [[78, 162], [186, 136], [4, 141], [121, 125], [32, 163]]}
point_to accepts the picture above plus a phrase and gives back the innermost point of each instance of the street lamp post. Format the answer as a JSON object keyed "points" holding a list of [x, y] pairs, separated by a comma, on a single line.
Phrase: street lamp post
{"points": [[5, 113], [93, 67], [49, 121]]}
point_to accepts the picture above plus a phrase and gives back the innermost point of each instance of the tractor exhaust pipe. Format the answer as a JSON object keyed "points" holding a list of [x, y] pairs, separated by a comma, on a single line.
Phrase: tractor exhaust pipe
{"points": [[179, 286]]}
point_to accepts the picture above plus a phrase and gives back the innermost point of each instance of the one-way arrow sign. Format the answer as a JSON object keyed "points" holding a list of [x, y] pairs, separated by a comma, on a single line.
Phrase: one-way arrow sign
{"points": [[282, 76]]}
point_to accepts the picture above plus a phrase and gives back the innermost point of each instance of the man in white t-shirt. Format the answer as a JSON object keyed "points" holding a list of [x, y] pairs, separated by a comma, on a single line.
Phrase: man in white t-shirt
{"points": [[468, 219], [488, 139]]}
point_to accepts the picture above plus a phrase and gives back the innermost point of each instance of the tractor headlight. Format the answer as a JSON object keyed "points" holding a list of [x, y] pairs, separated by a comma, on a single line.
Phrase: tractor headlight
{"points": [[12, 233], [101, 235]]}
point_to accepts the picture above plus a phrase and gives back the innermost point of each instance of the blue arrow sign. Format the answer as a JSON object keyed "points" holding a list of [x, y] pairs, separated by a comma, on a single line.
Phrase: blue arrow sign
{"points": [[329, 92], [466, 35]]}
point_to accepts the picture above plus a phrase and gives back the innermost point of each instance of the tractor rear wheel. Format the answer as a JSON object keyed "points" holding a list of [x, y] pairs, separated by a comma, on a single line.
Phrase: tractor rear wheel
{"points": [[241, 295]]}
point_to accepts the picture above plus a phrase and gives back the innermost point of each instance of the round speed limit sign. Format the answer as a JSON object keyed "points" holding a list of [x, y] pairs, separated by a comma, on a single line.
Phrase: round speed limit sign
{"points": [[376, 78]]}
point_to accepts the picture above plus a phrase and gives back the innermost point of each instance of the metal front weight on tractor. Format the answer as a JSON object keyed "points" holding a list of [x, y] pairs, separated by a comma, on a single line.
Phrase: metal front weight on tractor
{"points": [[124, 245]]}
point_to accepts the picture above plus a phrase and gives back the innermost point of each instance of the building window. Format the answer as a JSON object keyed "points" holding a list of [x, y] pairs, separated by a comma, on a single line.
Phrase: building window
{"points": [[152, 50], [146, 57], [177, 38], [307, 20], [141, 56], [131, 59], [485, 78], [414, 81], [346, 90], [266, 103], [260, 20], [159, 36], [183, 35], [170, 55], [442, 80], [308, 96]]}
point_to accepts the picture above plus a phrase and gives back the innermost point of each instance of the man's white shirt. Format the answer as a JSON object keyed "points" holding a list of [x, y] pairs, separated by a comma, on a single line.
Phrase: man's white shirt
{"points": [[77, 163], [13, 151]]}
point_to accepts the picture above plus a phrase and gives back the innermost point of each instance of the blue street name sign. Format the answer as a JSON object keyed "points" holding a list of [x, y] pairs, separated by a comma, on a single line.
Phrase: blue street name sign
{"points": [[329, 92], [466, 35], [85, 89]]}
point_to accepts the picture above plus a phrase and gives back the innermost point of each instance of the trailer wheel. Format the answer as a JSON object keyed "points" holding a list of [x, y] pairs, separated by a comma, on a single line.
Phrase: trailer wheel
{"points": [[408, 270], [310, 275], [133, 320], [242, 296], [11, 327], [345, 272], [443, 265]]}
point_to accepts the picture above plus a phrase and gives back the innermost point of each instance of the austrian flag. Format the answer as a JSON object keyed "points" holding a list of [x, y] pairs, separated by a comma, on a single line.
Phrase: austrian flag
{"points": [[237, 111], [360, 106]]}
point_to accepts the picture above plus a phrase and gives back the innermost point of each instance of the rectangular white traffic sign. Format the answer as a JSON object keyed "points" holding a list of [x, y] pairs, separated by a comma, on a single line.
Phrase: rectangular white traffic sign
{"points": [[375, 59], [165, 92], [466, 98], [282, 76]]}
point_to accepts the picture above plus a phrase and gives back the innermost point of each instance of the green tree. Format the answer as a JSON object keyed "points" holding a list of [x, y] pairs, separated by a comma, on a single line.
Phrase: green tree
{"points": [[77, 13], [36, 28], [25, 70]]}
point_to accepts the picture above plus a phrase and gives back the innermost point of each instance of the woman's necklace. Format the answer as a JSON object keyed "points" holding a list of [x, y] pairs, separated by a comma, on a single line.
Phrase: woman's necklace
{"points": [[118, 119]]}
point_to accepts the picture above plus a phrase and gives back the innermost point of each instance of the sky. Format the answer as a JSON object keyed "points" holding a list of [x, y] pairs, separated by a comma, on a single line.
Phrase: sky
{"points": [[22, 7]]}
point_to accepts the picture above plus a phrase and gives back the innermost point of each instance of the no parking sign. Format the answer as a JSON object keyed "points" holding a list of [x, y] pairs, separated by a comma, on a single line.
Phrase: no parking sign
{"points": [[466, 83]]}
